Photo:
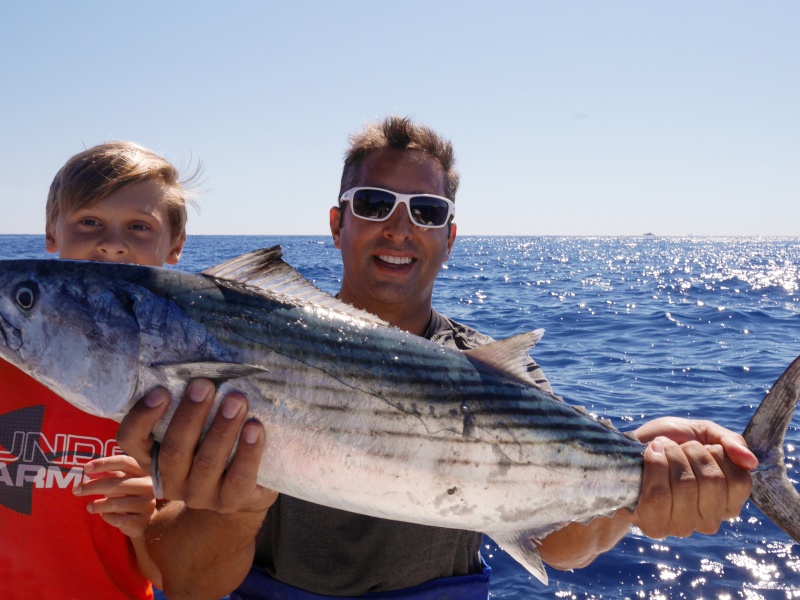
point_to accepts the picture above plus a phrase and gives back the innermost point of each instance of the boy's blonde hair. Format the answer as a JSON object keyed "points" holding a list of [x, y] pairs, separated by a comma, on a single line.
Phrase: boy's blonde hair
{"points": [[95, 173]]}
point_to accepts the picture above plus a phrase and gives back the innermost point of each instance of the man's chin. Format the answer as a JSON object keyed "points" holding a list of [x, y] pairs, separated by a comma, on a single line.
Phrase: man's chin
{"points": [[391, 293]]}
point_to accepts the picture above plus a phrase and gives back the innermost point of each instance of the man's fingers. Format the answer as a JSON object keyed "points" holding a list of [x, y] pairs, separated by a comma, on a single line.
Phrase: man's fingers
{"points": [[211, 458], [712, 490], [737, 451], [705, 432], [241, 479], [693, 486], [192, 465], [739, 482], [655, 500], [685, 492], [243, 470], [134, 433], [177, 450]]}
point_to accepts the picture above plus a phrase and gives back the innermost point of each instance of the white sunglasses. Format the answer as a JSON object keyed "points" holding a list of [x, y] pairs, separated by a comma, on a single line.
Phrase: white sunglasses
{"points": [[376, 204]]}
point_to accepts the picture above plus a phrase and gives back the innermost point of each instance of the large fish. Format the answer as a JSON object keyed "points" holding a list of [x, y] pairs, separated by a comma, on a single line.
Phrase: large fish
{"points": [[360, 416]]}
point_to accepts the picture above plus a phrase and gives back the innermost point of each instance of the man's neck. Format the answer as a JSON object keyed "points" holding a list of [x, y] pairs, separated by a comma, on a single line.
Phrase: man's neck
{"points": [[417, 323], [414, 321]]}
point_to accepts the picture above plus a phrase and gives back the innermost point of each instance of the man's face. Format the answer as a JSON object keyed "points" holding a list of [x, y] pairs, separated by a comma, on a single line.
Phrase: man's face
{"points": [[390, 266]]}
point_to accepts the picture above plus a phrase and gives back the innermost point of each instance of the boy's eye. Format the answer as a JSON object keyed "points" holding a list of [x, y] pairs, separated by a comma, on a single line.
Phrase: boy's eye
{"points": [[140, 227], [89, 222]]}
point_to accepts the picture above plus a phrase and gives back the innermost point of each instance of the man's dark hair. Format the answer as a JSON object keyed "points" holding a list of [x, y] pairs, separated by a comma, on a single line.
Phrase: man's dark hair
{"points": [[399, 133]]}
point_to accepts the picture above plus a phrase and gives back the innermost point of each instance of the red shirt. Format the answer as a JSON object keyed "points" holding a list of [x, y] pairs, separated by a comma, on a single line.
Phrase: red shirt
{"points": [[50, 545]]}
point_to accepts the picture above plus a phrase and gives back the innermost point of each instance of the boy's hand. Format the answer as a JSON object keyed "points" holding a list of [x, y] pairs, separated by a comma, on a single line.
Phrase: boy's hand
{"points": [[128, 503]]}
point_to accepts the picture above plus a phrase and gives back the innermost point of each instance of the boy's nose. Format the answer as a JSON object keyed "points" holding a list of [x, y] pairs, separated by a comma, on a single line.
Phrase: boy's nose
{"points": [[112, 247]]}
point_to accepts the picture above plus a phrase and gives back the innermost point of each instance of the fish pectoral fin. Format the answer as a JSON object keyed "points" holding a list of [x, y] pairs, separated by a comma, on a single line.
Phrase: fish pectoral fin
{"points": [[519, 546], [509, 356], [216, 371]]}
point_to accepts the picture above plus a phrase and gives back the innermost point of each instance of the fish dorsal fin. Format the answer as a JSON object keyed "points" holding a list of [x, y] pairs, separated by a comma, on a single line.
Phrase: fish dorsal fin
{"points": [[509, 356], [266, 270], [520, 546], [258, 267]]}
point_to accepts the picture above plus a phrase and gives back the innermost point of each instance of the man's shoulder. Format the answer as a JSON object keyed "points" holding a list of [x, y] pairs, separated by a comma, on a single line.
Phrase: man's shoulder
{"points": [[448, 332]]}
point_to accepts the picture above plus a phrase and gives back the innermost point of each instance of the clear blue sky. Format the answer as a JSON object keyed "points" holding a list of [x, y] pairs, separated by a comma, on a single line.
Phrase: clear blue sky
{"points": [[573, 118]]}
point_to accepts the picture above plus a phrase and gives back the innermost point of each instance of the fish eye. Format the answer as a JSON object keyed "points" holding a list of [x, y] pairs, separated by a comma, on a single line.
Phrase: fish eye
{"points": [[26, 295]]}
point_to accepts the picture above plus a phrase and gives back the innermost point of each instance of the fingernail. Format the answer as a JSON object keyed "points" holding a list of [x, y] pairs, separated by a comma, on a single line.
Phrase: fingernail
{"points": [[154, 399], [90, 507], [230, 407], [657, 446], [199, 389], [251, 433], [77, 489], [88, 467]]}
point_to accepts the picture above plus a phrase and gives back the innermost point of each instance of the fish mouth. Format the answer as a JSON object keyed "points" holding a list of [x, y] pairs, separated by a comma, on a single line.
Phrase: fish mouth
{"points": [[11, 335]]}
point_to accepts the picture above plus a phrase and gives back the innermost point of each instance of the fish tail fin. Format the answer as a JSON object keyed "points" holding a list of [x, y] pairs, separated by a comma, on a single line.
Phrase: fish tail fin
{"points": [[772, 492]]}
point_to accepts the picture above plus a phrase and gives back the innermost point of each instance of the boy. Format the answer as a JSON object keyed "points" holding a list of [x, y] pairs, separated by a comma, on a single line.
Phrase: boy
{"points": [[115, 202]]}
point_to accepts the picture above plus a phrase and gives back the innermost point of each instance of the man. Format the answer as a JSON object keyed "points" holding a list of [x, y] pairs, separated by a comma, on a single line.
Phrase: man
{"points": [[393, 245]]}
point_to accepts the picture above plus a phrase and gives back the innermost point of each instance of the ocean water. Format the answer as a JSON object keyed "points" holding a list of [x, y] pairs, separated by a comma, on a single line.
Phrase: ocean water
{"points": [[635, 328]]}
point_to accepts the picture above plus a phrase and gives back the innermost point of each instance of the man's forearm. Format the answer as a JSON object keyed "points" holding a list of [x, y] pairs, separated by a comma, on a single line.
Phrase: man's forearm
{"points": [[147, 565], [576, 546], [202, 553]]}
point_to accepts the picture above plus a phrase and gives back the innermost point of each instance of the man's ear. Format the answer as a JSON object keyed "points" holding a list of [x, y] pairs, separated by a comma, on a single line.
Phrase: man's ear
{"points": [[335, 217], [452, 238], [176, 250]]}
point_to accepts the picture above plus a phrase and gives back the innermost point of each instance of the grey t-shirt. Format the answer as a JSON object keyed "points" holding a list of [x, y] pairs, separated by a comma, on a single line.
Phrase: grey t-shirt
{"points": [[334, 552]]}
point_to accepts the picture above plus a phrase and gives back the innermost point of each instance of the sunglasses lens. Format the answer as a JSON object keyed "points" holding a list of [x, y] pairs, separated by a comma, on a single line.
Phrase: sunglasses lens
{"points": [[377, 205], [430, 211], [372, 204]]}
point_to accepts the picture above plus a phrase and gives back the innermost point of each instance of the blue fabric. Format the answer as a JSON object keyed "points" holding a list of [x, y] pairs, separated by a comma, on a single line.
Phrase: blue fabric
{"points": [[260, 586]]}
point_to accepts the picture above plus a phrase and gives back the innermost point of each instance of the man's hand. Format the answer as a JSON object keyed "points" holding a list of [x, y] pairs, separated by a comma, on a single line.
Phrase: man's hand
{"points": [[202, 542], [197, 471], [696, 475]]}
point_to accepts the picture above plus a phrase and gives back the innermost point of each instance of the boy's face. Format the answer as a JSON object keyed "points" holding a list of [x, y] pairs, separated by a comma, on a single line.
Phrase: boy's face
{"points": [[130, 225]]}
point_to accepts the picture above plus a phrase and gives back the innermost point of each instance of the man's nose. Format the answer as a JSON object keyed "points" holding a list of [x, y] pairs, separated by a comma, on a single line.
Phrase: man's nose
{"points": [[399, 225]]}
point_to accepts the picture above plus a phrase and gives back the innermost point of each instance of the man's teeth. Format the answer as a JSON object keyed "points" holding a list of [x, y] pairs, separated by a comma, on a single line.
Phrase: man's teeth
{"points": [[396, 260]]}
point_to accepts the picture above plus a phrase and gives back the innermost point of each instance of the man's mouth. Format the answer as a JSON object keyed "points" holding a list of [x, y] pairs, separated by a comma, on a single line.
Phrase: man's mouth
{"points": [[396, 260]]}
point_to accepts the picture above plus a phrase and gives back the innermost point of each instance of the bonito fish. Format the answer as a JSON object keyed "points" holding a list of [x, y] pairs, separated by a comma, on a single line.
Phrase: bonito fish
{"points": [[359, 416]]}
